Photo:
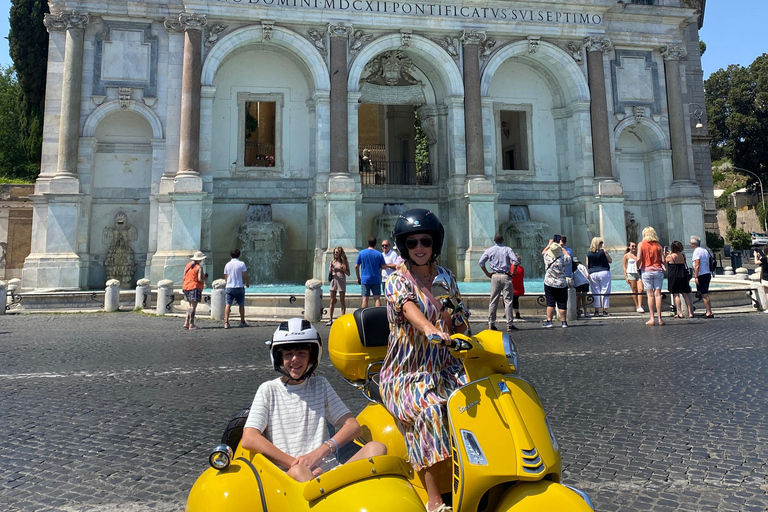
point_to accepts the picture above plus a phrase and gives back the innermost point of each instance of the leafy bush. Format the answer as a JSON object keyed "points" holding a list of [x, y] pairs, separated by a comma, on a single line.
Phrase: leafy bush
{"points": [[760, 210], [730, 214], [717, 177], [714, 241], [739, 239]]}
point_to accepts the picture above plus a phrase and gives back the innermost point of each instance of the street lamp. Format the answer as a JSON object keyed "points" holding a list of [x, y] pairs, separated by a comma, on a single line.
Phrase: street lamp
{"points": [[762, 196], [698, 112]]}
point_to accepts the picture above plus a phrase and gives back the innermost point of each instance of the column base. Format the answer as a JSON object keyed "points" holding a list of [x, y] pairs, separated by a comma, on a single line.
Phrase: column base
{"points": [[482, 224], [53, 272]]}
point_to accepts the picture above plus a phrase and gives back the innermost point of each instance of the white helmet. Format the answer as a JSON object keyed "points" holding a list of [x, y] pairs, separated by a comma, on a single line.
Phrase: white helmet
{"points": [[296, 333]]}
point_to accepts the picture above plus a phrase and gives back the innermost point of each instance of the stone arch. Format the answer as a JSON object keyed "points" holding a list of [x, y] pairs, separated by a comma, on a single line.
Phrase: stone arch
{"points": [[558, 64], [429, 57], [659, 139], [289, 40], [105, 109]]}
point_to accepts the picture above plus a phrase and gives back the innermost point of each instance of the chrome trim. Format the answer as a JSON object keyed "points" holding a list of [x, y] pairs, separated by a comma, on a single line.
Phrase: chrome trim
{"points": [[583, 495], [510, 350], [222, 449], [468, 437]]}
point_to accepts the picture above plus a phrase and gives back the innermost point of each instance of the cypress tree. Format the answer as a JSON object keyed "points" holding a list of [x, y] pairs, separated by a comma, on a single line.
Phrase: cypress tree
{"points": [[28, 41]]}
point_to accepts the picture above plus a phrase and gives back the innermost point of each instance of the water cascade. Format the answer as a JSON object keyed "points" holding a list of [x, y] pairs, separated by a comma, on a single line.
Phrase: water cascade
{"points": [[527, 238], [384, 224], [262, 242]]}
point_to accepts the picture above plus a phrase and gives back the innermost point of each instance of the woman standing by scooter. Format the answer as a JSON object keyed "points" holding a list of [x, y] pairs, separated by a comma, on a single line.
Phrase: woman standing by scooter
{"points": [[417, 375]]}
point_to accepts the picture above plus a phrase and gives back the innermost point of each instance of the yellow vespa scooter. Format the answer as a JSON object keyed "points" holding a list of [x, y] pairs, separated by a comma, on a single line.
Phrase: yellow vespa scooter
{"points": [[505, 456]]}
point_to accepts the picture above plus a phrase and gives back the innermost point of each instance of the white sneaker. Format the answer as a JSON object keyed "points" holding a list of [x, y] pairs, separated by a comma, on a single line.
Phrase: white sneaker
{"points": [[565, 324], [640, 310], [547, 324]]}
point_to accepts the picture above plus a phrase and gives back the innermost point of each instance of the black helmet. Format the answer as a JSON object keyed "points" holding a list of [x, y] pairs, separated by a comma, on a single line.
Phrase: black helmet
{"points": [[417, 221], [296, 333]]}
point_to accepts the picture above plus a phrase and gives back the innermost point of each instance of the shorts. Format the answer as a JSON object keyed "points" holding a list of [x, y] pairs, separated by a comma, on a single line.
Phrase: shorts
{"points": [[702, 285], [653, 280], [235, 294], [633, 276], [583, 288], [193, 295], [557, 296], [370, 289]]}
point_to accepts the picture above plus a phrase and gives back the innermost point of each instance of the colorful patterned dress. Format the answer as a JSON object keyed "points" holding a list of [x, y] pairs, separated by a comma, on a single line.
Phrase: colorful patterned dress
{"points": [[418, 376]]}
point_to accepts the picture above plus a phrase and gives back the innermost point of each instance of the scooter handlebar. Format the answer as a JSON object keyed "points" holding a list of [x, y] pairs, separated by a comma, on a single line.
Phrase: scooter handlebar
{"points": [[456, 343]]}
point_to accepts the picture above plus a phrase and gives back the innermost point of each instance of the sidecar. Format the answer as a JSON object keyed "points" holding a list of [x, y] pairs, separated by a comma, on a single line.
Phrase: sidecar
{"points": [[243, 481]]}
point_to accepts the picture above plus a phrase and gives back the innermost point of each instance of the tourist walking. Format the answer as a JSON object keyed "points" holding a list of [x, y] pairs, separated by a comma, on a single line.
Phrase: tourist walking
{"points": [[555, 282], [650, 262], [581, 283], [632, 276], [419, 375], [702, 271], [518, 289], [761, 258], [599, 266], [192, 286], [679, 279], [390, 257], [371, 263], [503, 262], [236, 274], [338, 272]]}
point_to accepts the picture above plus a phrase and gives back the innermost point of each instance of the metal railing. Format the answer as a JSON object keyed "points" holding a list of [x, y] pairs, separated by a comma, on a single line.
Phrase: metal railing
{"points": [[395, 173]]}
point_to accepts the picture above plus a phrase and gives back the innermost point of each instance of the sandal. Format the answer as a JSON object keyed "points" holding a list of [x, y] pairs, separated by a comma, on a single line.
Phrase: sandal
{"points": [[605, 313], [329, 322], [193, 327], [709, 316], [226, 325]]}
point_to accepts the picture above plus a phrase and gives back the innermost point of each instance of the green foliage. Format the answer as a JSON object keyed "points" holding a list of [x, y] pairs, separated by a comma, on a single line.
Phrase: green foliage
{"points": [[702, 47], [760, 210], [717, 177], [422, 148], [714, 241], [28, 44], [730, 214], [739, 239], [737, 113], [15, 167]]}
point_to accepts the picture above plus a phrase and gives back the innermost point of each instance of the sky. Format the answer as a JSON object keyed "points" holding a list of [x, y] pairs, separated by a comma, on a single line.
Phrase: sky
{"points": [[736, 32]]}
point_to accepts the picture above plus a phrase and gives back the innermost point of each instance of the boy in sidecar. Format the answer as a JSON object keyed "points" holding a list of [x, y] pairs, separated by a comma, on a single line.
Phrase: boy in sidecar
{"points": [[287, 420]]}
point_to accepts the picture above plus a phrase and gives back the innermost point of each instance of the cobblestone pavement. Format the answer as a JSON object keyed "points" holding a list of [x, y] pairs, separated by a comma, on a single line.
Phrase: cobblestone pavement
{"points": [[118, 412]]}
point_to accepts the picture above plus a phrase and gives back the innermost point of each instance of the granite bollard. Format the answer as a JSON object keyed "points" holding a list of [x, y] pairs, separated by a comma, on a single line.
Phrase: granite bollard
{"points": [[742, 273], [218, 296], [112, 296], [3, 296], [313, 300], [571, 312], [164, 292], [143, 295]]}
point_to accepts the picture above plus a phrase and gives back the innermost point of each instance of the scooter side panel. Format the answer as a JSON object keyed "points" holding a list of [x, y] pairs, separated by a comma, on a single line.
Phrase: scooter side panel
{"points": [[541, 496], [232, 490], [385, 494]]}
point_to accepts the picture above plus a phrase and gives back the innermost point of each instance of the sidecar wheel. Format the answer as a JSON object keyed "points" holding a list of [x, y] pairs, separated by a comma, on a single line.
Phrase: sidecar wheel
{"points": [[234, 431]]}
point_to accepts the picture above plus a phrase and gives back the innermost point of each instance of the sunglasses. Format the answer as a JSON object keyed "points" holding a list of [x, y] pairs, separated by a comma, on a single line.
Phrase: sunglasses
{"points": [[385, 245], [425, 242]]}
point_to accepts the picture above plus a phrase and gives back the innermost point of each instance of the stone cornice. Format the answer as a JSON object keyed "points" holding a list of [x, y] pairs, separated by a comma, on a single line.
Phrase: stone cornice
{"points": [[66, 21], [598, 44], [674, 52], [186, 21]]}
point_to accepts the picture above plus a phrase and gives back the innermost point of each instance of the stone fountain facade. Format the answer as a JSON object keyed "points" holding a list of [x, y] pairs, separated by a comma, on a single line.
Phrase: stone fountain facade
{"points": [[183, 116]]}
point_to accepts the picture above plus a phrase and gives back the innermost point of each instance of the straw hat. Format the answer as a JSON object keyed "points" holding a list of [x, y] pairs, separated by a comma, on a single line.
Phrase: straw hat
{"points": [[198, 256]]}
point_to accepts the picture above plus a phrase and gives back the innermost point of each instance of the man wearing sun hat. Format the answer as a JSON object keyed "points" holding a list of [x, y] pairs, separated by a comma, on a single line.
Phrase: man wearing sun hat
{"points": [[192, 286]]}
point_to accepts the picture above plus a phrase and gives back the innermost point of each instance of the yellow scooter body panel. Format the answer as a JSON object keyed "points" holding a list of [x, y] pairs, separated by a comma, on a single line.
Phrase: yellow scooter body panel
{"points": [[541, 496], [253, 484], [347, 352]]}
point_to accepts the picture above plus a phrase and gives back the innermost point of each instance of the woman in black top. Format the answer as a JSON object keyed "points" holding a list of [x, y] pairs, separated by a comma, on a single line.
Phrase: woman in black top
{"points": [[761, 258], [599, 266], [678, 280]]}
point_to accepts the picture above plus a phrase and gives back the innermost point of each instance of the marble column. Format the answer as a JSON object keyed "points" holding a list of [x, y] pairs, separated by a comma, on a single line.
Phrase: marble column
{"points": [[73, 24], [601, 132], [339, 34], [677, 119], [473, 111], [191, 25]]}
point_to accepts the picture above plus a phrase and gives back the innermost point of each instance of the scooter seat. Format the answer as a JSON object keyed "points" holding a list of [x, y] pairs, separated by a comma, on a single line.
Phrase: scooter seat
{"points": [[372, 326]]}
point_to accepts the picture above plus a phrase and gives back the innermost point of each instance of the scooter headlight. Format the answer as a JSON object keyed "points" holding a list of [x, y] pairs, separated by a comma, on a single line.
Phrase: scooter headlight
{"points": [[552, 438], [220, 457], [475, 454], [510, 350]]}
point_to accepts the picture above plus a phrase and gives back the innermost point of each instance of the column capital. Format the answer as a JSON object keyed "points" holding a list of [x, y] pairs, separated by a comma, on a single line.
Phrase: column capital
{"points": [[473, 37], [186, 21], [598, 44], [674, 52], [339, 30], [66, 21]]}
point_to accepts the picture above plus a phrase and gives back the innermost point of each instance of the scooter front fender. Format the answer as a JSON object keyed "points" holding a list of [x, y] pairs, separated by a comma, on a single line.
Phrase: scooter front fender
{"points": [[541, 496]]}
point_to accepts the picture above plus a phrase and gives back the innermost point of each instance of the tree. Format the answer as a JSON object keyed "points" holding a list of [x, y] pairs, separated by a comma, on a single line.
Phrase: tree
{"points": [[702, 47], [737, 111], [14, 163], [28, 42], [739, 239]]}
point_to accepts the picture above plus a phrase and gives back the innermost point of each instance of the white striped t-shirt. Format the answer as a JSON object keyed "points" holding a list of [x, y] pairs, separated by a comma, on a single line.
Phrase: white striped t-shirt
{"points": [[293, 417]]}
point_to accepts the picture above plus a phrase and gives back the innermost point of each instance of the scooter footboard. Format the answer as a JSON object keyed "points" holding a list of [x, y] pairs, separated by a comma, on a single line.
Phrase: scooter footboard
{"points": [[541, 496]]}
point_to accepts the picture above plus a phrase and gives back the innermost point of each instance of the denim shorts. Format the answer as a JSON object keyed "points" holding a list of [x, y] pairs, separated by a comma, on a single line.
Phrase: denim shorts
{"points": [[653, 280], [370, 289], [235, 294]]}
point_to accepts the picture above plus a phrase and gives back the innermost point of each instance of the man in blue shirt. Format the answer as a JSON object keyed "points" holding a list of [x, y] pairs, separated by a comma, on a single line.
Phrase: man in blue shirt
{"points": [[503, 262], [372, 263]]}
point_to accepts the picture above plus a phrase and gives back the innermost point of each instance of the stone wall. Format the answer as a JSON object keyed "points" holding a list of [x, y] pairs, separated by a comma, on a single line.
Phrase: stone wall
{"points": [[15, 228]]}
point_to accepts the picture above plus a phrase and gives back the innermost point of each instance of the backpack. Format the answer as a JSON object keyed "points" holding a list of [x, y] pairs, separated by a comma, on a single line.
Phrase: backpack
{"points": [[712, 262]]}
